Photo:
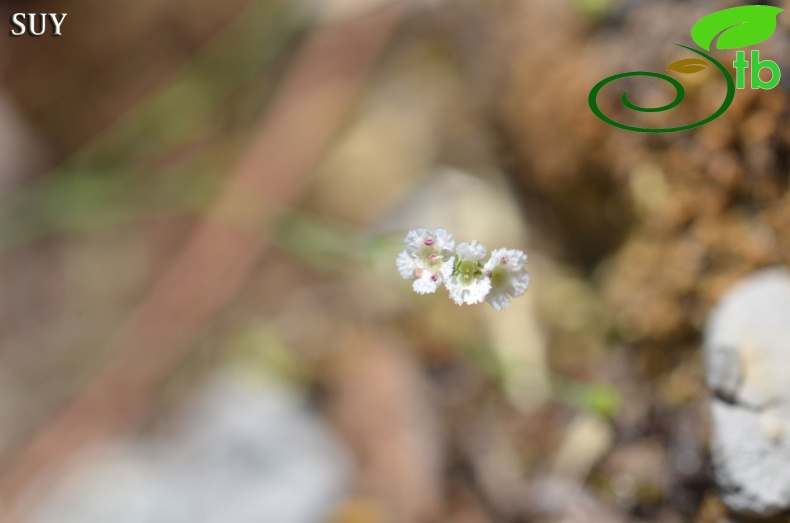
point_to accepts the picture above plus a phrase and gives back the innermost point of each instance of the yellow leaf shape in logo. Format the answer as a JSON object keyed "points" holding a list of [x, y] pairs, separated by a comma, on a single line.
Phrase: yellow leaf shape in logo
{"points": [[688, 65]]}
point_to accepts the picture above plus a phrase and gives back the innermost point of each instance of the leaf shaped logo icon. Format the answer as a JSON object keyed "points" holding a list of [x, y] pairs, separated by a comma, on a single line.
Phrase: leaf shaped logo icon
{"points": [[738, 26], [688, 65]]}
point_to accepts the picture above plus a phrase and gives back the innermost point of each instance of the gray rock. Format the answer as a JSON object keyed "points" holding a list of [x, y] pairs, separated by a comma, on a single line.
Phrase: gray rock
{"points": [[747, 366], [239, 453]]}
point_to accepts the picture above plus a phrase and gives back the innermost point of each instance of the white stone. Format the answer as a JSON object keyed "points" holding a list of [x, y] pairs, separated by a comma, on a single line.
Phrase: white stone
{"points": [[747, 366]]}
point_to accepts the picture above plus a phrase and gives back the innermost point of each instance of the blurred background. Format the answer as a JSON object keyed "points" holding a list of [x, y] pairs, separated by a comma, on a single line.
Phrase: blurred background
{"points": [[200, 316]]}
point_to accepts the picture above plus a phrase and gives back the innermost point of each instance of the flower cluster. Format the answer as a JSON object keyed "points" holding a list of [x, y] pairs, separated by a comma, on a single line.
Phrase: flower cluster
{"points": [[431, 259]]}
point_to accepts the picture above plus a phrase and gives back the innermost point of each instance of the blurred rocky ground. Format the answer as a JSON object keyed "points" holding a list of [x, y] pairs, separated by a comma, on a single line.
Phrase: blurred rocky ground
{"points": [[241, 450], [586, 401]]}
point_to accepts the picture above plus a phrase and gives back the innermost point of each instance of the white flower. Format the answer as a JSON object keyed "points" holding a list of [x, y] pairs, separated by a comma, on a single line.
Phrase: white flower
{"points": [[468, 284], [505, 270], [428, 259], [431, 259]]}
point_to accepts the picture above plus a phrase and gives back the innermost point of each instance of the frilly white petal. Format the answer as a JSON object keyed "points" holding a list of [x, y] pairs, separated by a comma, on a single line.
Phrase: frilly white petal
{"points": [[516, 259], [447, 267], [425, 284], [471, 251], [498, 300], [519, 283], [406, 265], [415, 238], [444, 241], [469, 294]]}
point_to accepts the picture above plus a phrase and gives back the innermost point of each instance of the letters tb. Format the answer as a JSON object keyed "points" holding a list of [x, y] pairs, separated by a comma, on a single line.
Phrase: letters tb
{"points": [[741, 64], [36, 23]]}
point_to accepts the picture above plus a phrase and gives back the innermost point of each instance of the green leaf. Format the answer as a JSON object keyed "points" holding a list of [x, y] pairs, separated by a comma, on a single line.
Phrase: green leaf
{"points": [[603, 400], [688, 65], [738, 26]]}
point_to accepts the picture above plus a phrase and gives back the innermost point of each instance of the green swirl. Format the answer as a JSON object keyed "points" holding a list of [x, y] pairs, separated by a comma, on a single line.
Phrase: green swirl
{"points": [[679, 96]]}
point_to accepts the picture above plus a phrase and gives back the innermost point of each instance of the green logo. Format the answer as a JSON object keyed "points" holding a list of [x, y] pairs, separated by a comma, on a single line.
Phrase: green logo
{"points": [[731, 28]]}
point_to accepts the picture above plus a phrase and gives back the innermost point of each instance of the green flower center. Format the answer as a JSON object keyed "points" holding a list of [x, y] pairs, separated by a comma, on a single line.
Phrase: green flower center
{"points": [[498, 277], [468, 271]]}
